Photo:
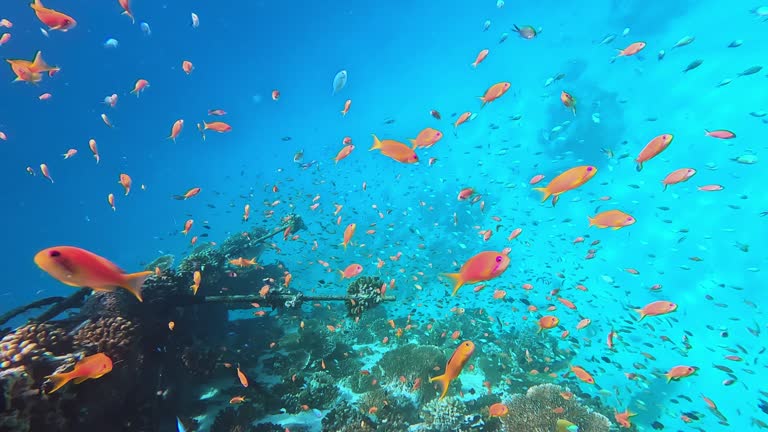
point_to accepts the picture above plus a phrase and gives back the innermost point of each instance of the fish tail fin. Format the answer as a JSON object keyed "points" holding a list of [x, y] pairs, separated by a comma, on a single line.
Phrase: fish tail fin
{"points": [[706, 132], [415, 143], [38, 64], [341, 274], [540, 329], [642, 314], [134, 281], [457, 278], [473, 64], [591, 221], [665, 186], [343, 244], [545, 191], [639, 166], [133, 20], [59, 381], [482, 98], [36, 5], [669, 378], [376, 143], [343, 113], [444, 382]]}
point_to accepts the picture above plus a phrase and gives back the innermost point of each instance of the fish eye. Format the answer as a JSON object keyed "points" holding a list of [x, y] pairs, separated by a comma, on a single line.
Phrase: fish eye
{"points": [[589, 168], [54, 254], [498, 259]]}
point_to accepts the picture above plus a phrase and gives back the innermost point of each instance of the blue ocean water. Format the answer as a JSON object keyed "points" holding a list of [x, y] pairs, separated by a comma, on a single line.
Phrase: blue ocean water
{"points": [[405, 58]]}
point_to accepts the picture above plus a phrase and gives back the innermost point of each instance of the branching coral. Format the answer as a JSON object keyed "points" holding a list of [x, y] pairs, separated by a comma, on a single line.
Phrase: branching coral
{"points": [[443, 415], [534, 412], [413, 362]]}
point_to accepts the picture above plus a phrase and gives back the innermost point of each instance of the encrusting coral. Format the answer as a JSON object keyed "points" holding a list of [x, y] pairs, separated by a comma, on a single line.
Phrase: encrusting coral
{"points": [[535, 411]]}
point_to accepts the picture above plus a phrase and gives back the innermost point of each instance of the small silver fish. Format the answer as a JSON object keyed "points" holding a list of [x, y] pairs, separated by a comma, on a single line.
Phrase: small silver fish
{"points": [[486, 25], [751, 71], [725, 82], [661, 55], [693, 65], [735, 44], [339, 81], [504, 37], [758, 114], [684, 41], [608, 39]]}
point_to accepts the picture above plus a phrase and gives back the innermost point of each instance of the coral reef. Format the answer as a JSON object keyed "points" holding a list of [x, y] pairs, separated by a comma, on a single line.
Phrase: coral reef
{"points": [[319, 391], [533, 412], [234, 420], [412, 361], [32, 343], [115, 336], [346, 418], [443, 415]]}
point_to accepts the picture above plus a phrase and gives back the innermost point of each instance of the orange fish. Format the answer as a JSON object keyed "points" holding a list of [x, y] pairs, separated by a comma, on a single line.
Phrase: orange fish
{"points": [[188, 194], [678, 372], [678, 176], [583, 323], [568, 101], [395, 150], [188, 226], [461, 120], [246, 212], [481, 267], [427, 138], [275, 95], [237, 400], [582, 374], [548, 322], [31, 71], [94, 149], [176, 129], [126, 5], [348, 233], [69, 153], [480, 57], [111, 201], [139, 87], [566, 181], [344, 152], [196, 278], [632, 49], [615, 219], [623, 418], [55, 20], [656, 308], [91, 367], [347, 104], [187, 66], [46, 172], [79, 268], [498, 410], [352, 270], [653, 148], [455, 364], [125, 181], [494, 92], [241, 376], [243, 262], [216, 126]]}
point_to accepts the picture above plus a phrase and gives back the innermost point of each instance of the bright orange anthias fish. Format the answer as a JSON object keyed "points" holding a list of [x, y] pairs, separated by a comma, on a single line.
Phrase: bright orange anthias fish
{"points": [[454, 366], [395, 150], [80, 268], [653, 148], [566, 181], [568, 100], [91, 367], [481, 267], [54, 19], [31, 71]]}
